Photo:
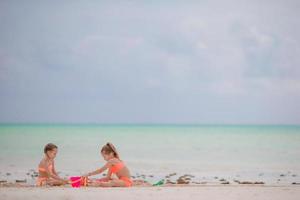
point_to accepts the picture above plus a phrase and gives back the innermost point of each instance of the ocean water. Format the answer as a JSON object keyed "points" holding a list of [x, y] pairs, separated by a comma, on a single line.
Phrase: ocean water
{"points": [[206, 152]]}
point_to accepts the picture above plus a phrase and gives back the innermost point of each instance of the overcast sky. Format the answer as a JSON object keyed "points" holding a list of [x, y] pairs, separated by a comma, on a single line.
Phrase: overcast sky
{"points": [[208, 62]]}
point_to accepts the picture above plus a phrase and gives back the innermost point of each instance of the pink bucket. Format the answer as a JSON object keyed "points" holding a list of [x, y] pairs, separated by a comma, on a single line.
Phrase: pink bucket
{"points": [[75, 181]]}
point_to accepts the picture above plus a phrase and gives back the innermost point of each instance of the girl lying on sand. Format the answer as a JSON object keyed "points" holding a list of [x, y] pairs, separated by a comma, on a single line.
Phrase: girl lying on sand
{"points": [[47, 173], [114, 166]]}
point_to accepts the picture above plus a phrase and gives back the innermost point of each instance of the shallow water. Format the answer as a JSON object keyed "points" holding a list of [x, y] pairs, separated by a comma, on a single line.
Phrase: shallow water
{"points": [[259, 153]]}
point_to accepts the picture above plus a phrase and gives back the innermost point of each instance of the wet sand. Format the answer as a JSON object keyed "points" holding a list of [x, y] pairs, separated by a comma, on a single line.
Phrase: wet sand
{"points": [[165, 192], [285, 178]]}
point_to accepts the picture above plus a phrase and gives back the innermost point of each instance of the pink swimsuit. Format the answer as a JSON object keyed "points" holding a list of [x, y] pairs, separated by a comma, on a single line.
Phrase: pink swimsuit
{"points": [[116, 168]]}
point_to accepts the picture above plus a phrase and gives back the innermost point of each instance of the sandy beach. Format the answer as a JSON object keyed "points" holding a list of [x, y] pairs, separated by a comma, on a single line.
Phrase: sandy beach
{"points": [[175, 192], [195, 100]]}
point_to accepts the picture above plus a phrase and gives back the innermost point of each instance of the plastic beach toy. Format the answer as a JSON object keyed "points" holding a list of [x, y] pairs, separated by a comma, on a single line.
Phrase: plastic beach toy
{"points": [[75, 181], [161, 182]]}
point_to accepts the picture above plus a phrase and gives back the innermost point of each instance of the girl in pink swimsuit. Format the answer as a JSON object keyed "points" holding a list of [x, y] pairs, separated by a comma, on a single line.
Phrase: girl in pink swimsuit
{"points": [[47, 173], [114, 166]]}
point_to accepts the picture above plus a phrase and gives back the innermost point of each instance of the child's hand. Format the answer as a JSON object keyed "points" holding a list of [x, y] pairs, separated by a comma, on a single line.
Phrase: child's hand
{"points": [[66, 181]]}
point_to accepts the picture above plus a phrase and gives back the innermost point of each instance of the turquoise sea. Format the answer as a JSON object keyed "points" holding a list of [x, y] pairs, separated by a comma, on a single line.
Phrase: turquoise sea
{"points": [[268, 153]]}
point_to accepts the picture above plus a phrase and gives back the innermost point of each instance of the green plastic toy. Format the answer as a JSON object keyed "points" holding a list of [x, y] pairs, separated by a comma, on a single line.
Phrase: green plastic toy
{"points": [[161, 182]]}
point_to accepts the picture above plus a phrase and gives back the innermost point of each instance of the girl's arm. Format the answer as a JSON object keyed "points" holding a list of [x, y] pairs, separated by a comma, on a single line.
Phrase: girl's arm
{"points": [[108, 175], [54, 171], [99, 171], [56, 177], [53, 174]]}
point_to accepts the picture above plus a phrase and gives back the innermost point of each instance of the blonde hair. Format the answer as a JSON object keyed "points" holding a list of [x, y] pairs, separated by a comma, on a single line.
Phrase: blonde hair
{"points": [[110, 148]]}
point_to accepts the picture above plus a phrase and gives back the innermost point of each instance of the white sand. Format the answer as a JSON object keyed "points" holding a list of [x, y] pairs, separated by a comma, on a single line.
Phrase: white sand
{"points": [[157, 193]]}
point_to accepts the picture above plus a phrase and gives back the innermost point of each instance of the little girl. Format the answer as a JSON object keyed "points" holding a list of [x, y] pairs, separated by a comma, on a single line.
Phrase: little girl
{"points": [[47, 173], [114, 166]]}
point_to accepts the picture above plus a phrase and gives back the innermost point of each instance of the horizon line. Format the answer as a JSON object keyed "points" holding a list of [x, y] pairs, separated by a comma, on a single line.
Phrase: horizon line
{"points": [[140, 124]]}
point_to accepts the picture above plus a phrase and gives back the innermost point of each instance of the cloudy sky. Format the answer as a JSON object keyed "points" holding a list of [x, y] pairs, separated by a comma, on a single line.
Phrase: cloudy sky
{"points": [[207, 62]]}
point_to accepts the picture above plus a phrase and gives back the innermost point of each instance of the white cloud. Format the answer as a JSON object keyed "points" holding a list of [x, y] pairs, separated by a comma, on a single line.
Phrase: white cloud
{"points": [[132, 52]]}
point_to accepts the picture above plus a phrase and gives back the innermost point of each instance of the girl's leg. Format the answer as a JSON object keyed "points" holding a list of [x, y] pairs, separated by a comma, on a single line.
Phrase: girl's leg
{"points": [[105, 179], [111, 183], [53, 182], [141, 183]]}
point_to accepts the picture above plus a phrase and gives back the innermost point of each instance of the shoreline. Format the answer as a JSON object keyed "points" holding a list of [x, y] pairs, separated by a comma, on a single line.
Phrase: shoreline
{"points": [[281, 179]]}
